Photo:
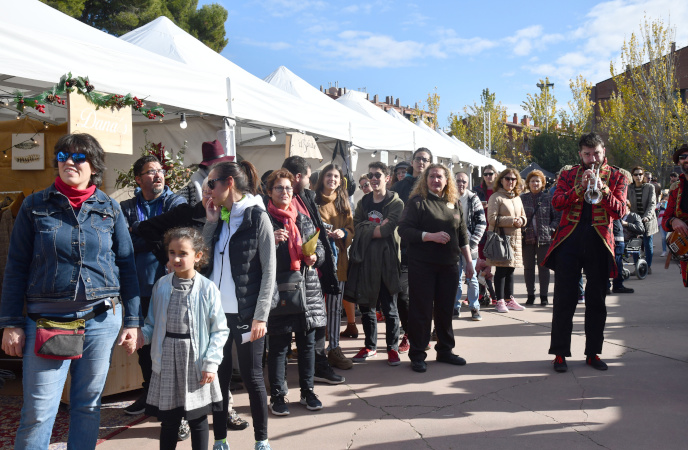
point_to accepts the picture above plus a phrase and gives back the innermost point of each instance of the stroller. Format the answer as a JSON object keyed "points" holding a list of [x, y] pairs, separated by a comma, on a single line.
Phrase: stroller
{"points": [[634, 255]]}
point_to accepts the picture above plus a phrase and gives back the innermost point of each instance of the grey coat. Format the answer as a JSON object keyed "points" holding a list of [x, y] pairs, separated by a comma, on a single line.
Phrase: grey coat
{"points": [[649, 202]]}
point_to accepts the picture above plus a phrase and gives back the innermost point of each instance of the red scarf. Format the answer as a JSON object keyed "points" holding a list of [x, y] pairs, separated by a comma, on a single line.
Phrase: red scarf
{"points": [[76, 196], [288, 218]]}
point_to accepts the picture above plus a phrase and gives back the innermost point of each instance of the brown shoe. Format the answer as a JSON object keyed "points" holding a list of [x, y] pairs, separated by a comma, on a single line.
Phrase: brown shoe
{"points": [[351, 331], [337, 359]]}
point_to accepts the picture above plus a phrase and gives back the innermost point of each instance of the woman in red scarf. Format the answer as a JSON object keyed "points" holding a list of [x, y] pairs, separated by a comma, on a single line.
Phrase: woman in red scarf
{"points": [[292, 229]]}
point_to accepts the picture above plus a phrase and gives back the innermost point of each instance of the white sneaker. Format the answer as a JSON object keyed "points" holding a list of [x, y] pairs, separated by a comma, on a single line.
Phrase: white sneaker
{"points": [[501, 306], [663, 254]]}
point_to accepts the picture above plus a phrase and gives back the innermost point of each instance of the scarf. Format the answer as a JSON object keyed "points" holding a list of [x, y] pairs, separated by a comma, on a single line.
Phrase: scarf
{"points": [[288, 218], [76, 196]]}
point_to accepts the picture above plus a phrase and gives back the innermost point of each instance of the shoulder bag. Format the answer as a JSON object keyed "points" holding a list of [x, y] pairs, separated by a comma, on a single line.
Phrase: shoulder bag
{"points": [[498, 245], [290, 293]]}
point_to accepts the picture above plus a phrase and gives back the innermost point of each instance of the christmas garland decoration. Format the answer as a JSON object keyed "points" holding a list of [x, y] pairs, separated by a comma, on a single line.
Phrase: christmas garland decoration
{"points": [[81, 85]]}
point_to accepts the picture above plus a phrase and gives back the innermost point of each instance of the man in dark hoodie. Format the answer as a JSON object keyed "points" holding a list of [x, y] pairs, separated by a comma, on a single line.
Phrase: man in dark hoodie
{"points": [[304, 200], [421, 159], [151, 199]]}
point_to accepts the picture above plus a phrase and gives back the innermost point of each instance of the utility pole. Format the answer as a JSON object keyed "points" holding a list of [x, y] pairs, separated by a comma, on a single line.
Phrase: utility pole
{"points": [[487, 133], [546, 86]]}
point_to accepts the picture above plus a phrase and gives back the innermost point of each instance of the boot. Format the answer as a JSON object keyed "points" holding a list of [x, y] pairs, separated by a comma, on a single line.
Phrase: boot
{"points": [[351, 331], [337, 359], [531, 299], [543, 300]]}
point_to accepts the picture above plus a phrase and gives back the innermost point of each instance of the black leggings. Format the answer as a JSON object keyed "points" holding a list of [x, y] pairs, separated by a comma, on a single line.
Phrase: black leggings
{"points": [[250, 357], [199, 433], [504, 282]]}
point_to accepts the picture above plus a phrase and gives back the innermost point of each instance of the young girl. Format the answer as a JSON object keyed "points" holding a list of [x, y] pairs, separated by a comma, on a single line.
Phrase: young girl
{"points": [[187, 330]]}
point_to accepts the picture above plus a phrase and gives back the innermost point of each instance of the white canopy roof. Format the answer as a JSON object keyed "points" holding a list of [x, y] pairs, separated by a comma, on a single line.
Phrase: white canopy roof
{"points": [[253, 100], [366, 132]]}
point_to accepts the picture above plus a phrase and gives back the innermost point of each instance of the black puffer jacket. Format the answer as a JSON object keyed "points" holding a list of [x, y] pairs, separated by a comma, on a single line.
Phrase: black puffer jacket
{"points": [[315, 315]]}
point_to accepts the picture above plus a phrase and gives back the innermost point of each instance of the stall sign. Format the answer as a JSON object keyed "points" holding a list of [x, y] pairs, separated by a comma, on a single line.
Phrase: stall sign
{"points": [[112, 128], [299, 144]]}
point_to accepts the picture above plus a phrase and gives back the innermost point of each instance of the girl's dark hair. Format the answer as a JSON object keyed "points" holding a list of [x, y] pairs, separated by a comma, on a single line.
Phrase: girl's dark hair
{"points": [[244, 174], [193, 236], [341, 202], [89, 146], [281, 173], [483, 184]]}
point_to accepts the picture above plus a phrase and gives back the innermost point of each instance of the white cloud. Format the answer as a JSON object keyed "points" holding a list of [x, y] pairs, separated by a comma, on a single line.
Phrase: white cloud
{"points": [[525, 40], [268, 45]]}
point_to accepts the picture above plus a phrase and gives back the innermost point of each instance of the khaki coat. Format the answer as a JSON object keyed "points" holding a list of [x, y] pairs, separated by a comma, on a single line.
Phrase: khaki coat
{"points": [[507, 207]]}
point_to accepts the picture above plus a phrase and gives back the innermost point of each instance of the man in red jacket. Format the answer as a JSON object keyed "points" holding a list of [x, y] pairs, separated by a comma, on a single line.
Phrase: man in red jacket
{"points": [[676, 213], [584, 241]]}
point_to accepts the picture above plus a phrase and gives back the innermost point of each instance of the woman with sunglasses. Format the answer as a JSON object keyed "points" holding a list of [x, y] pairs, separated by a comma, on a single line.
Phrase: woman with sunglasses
{"points": [[70, 257], [333, 204], [505, 210], [239, 233], [643, 202], [364, 184], [484, 189]]}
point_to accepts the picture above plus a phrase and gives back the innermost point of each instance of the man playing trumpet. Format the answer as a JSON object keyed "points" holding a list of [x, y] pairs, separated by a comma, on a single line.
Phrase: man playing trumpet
{"points": [[584, 241], [676, 213]]}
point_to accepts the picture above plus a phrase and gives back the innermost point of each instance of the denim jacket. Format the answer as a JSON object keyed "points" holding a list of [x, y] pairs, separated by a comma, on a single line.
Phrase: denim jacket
{"points": [[207, 323], [52, 247]]}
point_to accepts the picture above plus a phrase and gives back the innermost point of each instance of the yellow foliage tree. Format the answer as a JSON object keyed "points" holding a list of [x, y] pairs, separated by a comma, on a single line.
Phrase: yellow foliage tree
{"points": [[542, 107], [579, 121]]}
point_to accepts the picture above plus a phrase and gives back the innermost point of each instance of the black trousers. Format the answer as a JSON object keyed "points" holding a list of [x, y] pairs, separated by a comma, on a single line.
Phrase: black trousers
{"points": [[278, 346], [250, 356], [144, 352], [432, 289], [583, 250], [403, 298], [504, 282], [199, 433]]}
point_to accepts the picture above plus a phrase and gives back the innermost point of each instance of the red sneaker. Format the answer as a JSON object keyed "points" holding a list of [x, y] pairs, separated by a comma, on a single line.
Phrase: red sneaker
{"points": [[380, 317], [404, 346], [393, 358], [364, 354]]}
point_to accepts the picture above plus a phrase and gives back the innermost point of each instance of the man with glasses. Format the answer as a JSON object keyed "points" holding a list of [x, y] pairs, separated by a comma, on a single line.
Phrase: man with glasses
{"points": [[584, 241], [151, 199], [676, 214], [641, 195], [421, 159]]}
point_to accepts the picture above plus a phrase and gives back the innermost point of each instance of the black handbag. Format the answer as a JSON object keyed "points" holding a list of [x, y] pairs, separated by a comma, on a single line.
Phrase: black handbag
{"points": [[290, 293], [498, 245]]}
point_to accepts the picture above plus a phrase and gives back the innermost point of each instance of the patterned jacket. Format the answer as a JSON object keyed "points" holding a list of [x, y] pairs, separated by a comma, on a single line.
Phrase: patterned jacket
{"points": [[475, 222], [568, 198], [546, 218], [674, 210]]}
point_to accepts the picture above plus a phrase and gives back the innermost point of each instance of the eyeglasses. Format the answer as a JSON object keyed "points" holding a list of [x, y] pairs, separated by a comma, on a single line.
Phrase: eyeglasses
{"points": [[281, 189], [153, 172], [510, 179], [211, 183], [488, 174], [683, 156], [372, 175], [77, 158], [421, 159], [638, 174], [365, 185], [673, 176]]}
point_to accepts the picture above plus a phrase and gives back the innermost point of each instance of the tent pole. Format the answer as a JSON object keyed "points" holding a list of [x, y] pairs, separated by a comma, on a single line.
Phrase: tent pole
{"points": [[230, 124]]}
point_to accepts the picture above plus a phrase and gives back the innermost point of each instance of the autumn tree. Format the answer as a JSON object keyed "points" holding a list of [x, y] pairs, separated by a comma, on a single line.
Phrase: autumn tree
{"points": [[578, 120], [433, 107], [542, 106], [646, 114], [118, 17]]}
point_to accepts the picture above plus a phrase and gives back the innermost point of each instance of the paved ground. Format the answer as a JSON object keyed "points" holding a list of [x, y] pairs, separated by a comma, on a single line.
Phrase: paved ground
{"points": [[507, 396]]}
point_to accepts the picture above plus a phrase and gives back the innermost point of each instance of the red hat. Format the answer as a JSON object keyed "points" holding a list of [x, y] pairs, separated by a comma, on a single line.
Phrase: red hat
{"points": [[213, 153]]}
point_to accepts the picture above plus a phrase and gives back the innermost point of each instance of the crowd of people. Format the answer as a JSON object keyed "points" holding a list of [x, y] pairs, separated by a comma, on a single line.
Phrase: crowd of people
{"points": [[229, 272]]}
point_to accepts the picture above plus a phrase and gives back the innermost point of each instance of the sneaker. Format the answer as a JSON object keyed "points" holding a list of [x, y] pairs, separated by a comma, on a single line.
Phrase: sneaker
{"points": [[663, 254], [543, 300], [262, 445], [581, 300], [649, 270], [379, 316], [501, 306], [513, 305], [364, 354], [337, 359], [278, 406], [393, 358], [311, 401], [623, 290], [595, 362], [138, 407], [327, 375], [419, 366], [450, 358], [475, 315], [433, 336], [531, 299], [559, 364], [457, 312], [184, 432], [221, 445], [234, 422], [404, 346]]}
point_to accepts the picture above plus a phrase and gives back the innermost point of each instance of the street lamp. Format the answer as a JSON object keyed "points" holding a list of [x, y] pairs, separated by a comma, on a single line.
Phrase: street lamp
{"points": [[542, 86]]}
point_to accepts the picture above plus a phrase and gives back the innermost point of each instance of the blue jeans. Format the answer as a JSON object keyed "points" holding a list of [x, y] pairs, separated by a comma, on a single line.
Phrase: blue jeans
{"points": [[473, 287], [664, 234], [44, 379], [649, 250]]}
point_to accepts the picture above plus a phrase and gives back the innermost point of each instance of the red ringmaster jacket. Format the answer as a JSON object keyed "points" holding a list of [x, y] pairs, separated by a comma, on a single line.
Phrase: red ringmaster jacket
{"points": [[568, 198], [673, 209]]}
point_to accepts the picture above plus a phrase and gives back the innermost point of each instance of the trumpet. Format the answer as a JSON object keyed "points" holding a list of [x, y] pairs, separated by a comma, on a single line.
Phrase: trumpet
{"points": [[592, 194]]}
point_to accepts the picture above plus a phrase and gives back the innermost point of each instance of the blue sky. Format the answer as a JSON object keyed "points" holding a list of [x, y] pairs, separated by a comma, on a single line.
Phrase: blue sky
{"points": [[407, 48]]}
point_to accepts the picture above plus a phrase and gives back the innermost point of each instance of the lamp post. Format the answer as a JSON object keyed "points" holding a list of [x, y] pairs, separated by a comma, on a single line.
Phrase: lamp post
{"points": [[543, 86]]}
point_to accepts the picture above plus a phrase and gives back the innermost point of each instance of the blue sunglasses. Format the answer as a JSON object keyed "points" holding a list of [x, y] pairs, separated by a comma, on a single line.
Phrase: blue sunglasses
{"points": [[77, 158]]}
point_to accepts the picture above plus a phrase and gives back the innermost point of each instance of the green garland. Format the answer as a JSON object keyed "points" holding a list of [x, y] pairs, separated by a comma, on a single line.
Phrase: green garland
{"points": [[69, 84]]}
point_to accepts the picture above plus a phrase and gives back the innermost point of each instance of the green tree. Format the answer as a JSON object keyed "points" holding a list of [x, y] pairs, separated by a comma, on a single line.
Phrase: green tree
{"points": [[579, 121], [552, 151], [433, 106], [542, 107], [118, 17]]}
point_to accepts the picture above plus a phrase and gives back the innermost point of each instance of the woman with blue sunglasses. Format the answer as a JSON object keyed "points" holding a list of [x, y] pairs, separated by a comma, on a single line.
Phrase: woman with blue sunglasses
{"points": [[70, 262]]}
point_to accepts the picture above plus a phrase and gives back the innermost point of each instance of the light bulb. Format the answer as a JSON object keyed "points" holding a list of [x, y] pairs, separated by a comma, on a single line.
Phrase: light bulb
{"points": [[182, 122], [395, 159], [374, 153], [273, 138]]}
